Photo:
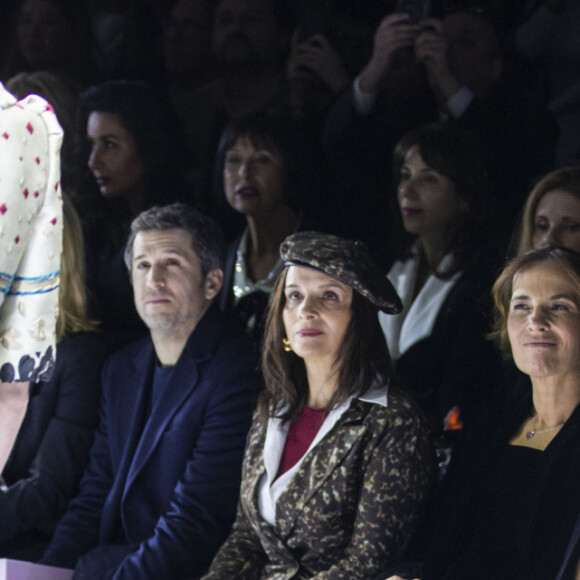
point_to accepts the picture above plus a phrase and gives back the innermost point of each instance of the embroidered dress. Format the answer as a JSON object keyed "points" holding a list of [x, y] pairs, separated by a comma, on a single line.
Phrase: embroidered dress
{"points": [[30, 236], [345, 510]]}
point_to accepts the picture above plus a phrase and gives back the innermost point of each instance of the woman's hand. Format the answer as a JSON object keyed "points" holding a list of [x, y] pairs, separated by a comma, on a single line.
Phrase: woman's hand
{"points": [[316, 56]]}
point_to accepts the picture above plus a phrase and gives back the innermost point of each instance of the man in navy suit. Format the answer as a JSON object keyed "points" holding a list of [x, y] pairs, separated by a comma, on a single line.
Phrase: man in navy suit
{"points": [[160, 492]]}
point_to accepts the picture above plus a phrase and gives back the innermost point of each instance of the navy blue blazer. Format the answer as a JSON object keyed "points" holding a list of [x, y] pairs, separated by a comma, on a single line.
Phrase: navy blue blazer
{"points": [[166, 484]]}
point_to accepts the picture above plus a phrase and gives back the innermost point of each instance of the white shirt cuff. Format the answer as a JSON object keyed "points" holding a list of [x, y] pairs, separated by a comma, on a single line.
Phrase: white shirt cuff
{"points": [[363, 102], [458, 103]]}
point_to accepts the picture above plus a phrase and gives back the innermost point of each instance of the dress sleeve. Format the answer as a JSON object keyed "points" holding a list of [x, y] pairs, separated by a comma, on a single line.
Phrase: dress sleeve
{"points": [[30, 236]]}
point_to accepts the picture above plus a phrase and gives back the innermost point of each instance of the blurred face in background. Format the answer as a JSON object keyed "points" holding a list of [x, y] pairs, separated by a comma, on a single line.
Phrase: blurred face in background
{"points": [[187, 46], [557, 220], [245, 32], [474, 51], [43, 34], [114, 160]]}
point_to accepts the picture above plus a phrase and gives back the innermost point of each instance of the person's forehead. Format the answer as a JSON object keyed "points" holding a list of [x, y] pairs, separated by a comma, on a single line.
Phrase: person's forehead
{"points": [[304, 275], [464, 23], [174, 240], [102, 122]]}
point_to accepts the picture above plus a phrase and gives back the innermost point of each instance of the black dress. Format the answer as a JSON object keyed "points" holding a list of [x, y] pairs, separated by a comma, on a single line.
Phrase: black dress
{"points": [[504, 512], [52, 447]]}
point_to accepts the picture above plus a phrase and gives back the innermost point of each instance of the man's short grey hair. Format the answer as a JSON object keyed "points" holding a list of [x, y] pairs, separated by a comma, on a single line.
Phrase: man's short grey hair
{"points": [[208, 239]]}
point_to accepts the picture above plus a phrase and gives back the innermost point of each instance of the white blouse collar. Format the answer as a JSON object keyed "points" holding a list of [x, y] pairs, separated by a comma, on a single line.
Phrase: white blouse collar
{"points": [[418, 317], [270, 488]]}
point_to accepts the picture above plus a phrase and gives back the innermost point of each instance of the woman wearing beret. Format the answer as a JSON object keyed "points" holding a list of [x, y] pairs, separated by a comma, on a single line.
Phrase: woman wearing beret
{"points": [[336, 462]]}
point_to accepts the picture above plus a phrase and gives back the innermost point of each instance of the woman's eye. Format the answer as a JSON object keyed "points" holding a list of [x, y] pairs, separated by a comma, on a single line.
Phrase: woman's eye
{"points": [[541, 226], [519, 306], [264, 159], [142, 265], [293, 296], [110, 144], [560, 307], [330, 296], [404, 176], [232, 159], [431, 179], [574, 227]]}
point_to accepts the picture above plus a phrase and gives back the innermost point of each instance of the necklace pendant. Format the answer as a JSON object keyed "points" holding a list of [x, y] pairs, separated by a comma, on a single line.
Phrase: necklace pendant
{"points": [[530, 434]]}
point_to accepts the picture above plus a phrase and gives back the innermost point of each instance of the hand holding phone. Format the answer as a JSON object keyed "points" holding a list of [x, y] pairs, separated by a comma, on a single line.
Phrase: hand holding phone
{"points": [[416, 9]]}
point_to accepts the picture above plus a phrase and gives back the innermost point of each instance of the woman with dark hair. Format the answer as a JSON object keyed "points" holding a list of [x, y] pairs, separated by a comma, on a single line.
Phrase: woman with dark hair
{"points": [[510, 500], [333, 476], [443, 274], [262, 172], [135, 157]]}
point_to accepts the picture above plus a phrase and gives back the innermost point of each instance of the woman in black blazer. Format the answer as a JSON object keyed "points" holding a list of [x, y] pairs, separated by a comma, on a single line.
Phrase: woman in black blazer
{"points": [[47, 427], [445, 268]]}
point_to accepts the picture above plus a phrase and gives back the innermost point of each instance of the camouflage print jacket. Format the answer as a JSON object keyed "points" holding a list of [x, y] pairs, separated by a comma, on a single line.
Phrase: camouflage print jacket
{"points": [[349, 510]]}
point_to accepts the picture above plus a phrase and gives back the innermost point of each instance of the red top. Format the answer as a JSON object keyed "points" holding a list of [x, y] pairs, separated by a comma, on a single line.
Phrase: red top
{"points": [[300, 435]]}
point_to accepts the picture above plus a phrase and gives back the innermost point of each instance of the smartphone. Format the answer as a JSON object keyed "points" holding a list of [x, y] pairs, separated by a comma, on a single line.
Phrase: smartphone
{"points": [[416, 9]]}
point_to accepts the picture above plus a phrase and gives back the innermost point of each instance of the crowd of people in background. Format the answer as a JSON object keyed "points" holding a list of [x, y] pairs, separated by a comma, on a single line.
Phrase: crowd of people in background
{"points": [[406, 184]]}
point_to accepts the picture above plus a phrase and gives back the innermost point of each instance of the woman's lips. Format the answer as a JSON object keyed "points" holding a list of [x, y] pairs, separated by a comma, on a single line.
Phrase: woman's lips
{"points": [[102, 180], [410, 211], [306, 332], [246, 193], [539, 344]]}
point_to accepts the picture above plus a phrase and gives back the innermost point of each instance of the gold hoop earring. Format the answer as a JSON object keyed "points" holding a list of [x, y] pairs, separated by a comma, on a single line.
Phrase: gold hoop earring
{"points": [[286, 344]]}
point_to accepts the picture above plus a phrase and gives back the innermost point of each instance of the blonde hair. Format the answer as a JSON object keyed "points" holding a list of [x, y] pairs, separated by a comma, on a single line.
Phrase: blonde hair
{"points": [[72, 297], [567, 179]]}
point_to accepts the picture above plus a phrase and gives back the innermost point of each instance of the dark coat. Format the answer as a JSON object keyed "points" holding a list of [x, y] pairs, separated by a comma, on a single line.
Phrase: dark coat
{"points": [[52, 447], [518, 135], [349, 508], [456, 364], [166, 483], [446, 539]]}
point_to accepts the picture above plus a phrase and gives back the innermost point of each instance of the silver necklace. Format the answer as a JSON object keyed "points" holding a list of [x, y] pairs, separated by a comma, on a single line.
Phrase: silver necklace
{"points": [[532, 431]]}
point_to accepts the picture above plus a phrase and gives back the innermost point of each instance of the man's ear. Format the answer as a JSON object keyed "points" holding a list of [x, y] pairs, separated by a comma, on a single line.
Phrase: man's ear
{"points": [[213, 283]]}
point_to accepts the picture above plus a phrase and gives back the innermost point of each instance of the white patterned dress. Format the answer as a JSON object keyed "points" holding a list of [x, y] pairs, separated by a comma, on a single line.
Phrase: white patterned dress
{"points": [[30, 236]]}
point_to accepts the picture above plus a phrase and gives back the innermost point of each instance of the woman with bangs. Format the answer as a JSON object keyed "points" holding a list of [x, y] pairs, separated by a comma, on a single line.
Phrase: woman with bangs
{"points": [[262, 172], [337, 460], [444, 272]]}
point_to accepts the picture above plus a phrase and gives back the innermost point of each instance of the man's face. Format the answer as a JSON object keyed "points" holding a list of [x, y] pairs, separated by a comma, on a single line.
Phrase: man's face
{"points": [[187, 46], [474, 51], [171, 293], [245, 31]]}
